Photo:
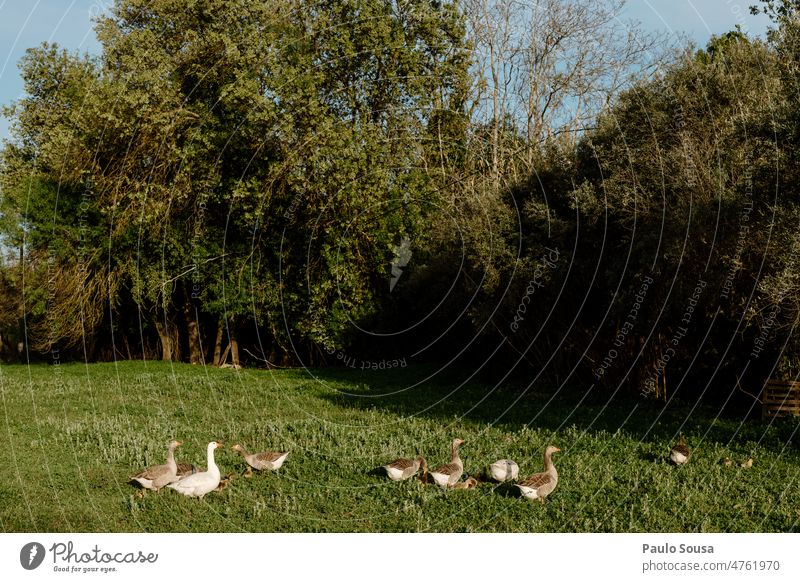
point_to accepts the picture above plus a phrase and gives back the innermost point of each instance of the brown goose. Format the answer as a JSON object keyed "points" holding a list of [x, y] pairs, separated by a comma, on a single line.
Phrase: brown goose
{"points": [[448, 475], [541, 485], [402, 469], [267, 461], [680, 453], [157, 476]]}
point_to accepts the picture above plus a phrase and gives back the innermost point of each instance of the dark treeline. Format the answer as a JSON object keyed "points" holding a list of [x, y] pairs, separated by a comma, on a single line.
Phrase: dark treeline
{"points": [[373, 184]]}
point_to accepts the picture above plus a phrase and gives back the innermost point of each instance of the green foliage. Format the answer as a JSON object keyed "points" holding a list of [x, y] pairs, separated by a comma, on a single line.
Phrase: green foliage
{"points": [[677, 183], [252, 155], [778, 10]]}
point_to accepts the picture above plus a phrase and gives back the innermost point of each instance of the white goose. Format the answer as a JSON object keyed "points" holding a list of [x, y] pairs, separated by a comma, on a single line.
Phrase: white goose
{"points": [[504, 470], [198, 484]]}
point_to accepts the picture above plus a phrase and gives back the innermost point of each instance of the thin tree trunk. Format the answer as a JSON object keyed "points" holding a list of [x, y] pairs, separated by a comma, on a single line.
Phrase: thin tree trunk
{"points": [[193, 333], [234, 347], [166, 343], [91, 348], [217, 360], [176, 341], [224, 357], [170, 340]]}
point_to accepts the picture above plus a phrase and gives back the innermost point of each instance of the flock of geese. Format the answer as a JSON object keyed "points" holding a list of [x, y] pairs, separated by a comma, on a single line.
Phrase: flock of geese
{"points": [[196, 482], [535, 487]]}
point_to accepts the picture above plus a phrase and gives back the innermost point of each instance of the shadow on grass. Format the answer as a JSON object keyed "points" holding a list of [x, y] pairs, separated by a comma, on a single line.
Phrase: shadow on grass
{"points": [[650, 457], [377, 472], [409, 392], [507, 490]]}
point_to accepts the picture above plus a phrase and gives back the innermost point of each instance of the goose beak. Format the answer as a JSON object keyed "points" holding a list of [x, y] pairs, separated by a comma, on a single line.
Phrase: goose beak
{"points": [[178, 443], [558, 450]]}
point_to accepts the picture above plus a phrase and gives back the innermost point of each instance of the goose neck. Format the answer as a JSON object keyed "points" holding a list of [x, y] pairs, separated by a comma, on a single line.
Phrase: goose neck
{"points": [[171, 460], [212, 466], [549, 467]]}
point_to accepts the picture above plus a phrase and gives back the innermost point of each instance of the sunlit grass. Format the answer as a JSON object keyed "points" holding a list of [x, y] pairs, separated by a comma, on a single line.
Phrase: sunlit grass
{"points": [[73, 434]]}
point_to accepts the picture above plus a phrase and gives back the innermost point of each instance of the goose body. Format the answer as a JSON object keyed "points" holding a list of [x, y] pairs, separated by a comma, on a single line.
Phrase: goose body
{"points": [[198, 484], [680, 453], [267, 461], [541, 485], [504, 470], [448, 474], [157, 476], [402, 469], [185, 469]]}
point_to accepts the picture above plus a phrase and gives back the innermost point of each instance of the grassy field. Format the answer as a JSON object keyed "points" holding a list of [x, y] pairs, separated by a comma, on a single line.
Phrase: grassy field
{"points": [[73, 434]]}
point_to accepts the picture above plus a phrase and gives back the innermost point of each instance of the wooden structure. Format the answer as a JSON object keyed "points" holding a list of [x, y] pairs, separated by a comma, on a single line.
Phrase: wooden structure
{"points": [[780, 398]]}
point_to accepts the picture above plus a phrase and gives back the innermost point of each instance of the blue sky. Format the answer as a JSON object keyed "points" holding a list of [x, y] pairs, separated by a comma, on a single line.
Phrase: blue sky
{"points": [[698, 19], [27, 23]]}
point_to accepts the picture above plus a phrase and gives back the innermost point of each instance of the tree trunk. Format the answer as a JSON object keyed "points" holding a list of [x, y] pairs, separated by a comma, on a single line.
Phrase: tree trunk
{"points": [[90, 348], [193, 333], [170, 345], [234, 346], [163, 336], [217, 360], [224, 357], [127, 346]]}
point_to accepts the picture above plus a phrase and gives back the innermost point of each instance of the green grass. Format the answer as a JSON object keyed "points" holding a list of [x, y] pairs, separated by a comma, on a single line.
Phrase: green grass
{"points": [[73, 434]]}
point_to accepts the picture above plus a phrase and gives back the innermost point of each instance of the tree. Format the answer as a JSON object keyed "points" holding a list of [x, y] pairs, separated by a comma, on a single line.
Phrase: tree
{"points": [[248, 162], [551, 66], [676, 223]]}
